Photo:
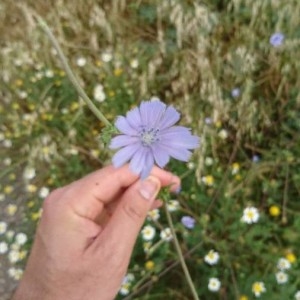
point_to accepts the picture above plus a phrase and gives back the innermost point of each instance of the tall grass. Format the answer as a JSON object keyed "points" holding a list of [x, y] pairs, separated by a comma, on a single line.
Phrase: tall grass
{"points": [[212, 60]]}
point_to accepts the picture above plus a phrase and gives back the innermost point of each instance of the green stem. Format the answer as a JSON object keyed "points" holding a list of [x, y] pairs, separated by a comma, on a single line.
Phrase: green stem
{"points": [[70, 74], [181, 258]]}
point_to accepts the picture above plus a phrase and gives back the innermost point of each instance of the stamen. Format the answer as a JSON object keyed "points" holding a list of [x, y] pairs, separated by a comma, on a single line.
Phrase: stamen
{"points": [[149, 136]]}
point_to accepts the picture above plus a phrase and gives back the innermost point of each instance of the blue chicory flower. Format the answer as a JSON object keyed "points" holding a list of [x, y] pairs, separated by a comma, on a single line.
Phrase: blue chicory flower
{"points": [[276, 39], [188, 222], [208, 121], [235, 92], [148, 136]]}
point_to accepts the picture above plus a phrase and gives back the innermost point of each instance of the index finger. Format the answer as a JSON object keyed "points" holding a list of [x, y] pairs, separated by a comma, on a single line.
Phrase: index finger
{"points": [[89, 194]]}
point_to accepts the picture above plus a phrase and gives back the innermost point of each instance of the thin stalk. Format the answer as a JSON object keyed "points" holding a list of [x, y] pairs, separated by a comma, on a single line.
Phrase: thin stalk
{"points": [[70, 73], [180, 255]]}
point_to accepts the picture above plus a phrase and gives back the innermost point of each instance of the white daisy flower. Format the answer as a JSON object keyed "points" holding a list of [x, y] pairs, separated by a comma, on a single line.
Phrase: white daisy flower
{"points": [[214, 284], [106, 56], [3, 247], [81, 61], [173, 205], [21, 238], [13, 256], [126, 284], [258, 288], [99, 94], [49, 73], [297, 295], [44, 192], [7, 143], [223, 134], [208, 161], [125, 289], [281, 277], [250, 215], [166, 234], [283, 264], [15, 273], [148, 233], [212, 257], [22, 94], [7, 161], [29, 173], [3, 227], [153, 214], [134, 63]]}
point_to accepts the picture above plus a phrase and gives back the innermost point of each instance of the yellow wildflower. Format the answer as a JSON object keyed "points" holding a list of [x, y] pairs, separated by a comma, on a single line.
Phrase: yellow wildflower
{"points": [[237, 177], [208, 180], [111, 93], [15, 106], [274, 210], [19, 82], [235, 168], [61, 73], [291, 257], [218, 124], [98, 63], [74, 106], [8, 189], [31, 188], [30, 204], [35, 216], [149, 265], [11, 209], [118, 72]]}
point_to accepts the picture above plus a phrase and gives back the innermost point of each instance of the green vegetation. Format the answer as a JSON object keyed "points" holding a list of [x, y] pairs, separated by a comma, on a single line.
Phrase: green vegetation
{"points": [[236, 85]]}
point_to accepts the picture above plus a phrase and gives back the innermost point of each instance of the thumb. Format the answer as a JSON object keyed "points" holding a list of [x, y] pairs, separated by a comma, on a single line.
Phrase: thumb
{"points": [[128, 218]]}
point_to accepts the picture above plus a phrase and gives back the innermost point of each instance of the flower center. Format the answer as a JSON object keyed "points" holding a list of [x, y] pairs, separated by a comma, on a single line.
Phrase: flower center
{"points": [[149, 136]]}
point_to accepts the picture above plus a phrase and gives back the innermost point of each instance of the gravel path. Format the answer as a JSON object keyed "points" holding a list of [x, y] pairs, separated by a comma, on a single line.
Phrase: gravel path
{"points": [[14, 224]]}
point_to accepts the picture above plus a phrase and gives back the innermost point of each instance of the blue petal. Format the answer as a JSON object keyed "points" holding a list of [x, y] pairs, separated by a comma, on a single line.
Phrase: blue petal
{"points": [[161, 157], [124, 127], [178, 153], [124, 155], [121, 141], [138, 160], [171, 116], [183, 140], [152, 112], [134, 118], [149, 163]]}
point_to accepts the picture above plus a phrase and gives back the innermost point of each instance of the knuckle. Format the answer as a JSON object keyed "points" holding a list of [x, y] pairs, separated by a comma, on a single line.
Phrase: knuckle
{"points": [[133, 212], [52, 197]]}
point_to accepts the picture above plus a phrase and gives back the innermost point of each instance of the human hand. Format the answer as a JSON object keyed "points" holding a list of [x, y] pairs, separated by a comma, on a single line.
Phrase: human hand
{"points": [[87, 233]]}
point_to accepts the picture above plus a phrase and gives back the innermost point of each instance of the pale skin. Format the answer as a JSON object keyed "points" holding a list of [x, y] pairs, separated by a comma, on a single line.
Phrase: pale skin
{"points": [[87, 232]]}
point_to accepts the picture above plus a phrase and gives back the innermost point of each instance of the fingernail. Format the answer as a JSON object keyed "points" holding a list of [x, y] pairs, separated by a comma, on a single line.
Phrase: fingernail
{"points": [[149, 188]]}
